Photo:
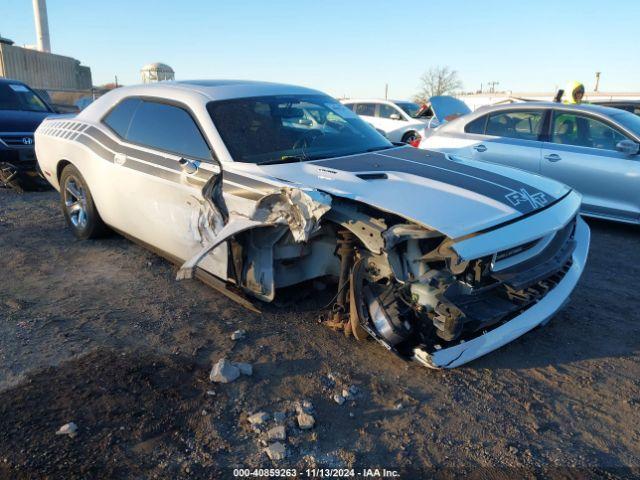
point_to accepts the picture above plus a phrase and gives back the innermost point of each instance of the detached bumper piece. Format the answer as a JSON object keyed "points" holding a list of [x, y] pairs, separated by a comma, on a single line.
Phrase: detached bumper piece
{"points": [[541, 299]]}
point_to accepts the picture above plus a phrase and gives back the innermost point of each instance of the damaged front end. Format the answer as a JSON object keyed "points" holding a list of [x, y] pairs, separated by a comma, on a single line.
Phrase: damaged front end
{"points": [[424, 296]]}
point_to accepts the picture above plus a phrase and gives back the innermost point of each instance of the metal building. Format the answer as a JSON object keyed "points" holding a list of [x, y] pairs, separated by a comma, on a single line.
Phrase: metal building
{"points": [[157, 72], [42, 70]]}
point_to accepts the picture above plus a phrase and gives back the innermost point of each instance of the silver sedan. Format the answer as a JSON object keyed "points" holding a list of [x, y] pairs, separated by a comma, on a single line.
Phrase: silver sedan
{"points": [[591, 148]]}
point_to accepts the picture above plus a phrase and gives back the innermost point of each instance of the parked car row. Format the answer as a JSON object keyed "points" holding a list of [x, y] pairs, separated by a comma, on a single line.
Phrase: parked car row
{"points": [[404, 121], [441, 254], [253, 187]]}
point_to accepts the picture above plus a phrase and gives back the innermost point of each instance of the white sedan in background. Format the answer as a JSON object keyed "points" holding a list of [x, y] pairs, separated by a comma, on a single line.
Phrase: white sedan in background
{"points": [[405, 121], [394, 118]]}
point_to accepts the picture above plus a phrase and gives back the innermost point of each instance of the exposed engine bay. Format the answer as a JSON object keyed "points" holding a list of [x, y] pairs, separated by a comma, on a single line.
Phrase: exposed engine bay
{"points": [[396, 281]]}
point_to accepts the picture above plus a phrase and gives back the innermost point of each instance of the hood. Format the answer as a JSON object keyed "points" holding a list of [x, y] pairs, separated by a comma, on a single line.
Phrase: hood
{"points": [[21, 120], [446, 108], [454, 197]]}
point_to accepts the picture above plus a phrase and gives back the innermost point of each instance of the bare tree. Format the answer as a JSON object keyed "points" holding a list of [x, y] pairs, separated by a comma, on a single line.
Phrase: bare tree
{"points": [[437, 81]]}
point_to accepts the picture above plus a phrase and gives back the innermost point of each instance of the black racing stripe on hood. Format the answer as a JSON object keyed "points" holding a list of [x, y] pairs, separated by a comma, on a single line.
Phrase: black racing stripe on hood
{"points": [[435, 166]]}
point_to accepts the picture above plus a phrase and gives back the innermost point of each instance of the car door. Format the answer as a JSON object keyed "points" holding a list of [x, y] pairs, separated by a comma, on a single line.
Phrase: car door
{"points": [[161, 165], [581, 152], [392, 121], [511, 138]]}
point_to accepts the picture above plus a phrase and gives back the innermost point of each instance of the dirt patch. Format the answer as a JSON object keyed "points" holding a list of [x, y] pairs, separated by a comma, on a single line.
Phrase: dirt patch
{"points": [[100, 333]]}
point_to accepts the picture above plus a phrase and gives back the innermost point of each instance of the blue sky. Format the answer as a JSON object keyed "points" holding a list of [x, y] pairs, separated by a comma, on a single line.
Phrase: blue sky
{"points": [[347, 47]]}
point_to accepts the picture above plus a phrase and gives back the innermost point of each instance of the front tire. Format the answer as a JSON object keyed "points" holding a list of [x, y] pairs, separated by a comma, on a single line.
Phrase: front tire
{"points": [[77, 205], [410, 137]]}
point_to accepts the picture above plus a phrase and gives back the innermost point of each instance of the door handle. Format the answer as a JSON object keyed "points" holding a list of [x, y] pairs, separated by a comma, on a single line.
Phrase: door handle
{"points": [[188, 166], [480, 148], [553, 157]]}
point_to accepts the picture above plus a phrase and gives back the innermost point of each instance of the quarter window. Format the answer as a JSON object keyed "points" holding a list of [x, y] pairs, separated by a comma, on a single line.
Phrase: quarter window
{"points": [[119, 118], [523, 125], [366, 109], [582, 131], [476, 126], [169, 128]]}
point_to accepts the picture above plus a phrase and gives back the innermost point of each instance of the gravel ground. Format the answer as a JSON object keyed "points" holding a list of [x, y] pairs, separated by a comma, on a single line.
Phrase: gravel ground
{"points": [[100, 334]]}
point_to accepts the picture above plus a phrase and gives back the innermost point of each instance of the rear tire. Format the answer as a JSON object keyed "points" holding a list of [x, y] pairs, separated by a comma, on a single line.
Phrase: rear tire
{"points": [[77, 205]]}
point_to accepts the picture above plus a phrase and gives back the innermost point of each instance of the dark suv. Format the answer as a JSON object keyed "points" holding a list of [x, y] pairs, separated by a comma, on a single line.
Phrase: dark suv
{"points": [[21, 111]]}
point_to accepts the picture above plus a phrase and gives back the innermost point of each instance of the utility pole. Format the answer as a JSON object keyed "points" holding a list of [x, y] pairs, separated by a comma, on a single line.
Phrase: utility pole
{"points": [[595, 89], [492, 86], [386, 91]]}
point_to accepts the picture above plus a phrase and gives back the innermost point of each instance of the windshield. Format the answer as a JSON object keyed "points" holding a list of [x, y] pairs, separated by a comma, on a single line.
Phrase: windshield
{"points": [[16, 96], [628, 120], [275, 129], [410, 108]]}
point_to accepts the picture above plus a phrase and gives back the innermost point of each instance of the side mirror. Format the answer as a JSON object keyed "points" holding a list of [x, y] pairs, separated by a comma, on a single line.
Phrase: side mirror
{"points": [[395, 116], [628, 147]]}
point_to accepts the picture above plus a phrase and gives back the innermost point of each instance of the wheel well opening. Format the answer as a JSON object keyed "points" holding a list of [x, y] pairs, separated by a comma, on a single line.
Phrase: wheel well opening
{"points": [[60, 167]]}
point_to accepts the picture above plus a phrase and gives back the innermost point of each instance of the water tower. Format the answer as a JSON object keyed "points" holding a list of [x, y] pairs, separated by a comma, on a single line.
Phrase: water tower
{"points": [[157, 72]]}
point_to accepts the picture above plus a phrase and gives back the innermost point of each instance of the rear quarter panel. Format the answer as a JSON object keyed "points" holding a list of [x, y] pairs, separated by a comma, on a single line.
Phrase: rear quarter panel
{"points": [[56, 143]]}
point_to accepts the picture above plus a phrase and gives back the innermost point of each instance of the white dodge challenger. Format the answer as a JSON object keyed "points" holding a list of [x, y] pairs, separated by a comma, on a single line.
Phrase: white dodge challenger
{"points": [[254, 186]]}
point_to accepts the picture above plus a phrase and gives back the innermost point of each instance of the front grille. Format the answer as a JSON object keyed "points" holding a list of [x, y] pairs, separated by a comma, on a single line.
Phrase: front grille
{"points": [[23, 141], [515, 250]]}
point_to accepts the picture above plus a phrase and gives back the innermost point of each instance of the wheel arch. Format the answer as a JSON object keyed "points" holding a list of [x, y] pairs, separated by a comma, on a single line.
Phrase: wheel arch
{"points": [[60, 166]]}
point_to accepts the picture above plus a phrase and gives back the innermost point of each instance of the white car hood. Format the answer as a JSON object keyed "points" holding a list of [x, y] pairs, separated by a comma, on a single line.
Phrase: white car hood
{"points": [[454, 197]]}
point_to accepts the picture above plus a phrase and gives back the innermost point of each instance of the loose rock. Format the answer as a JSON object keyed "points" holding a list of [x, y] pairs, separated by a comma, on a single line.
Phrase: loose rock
{"points": [[69, 429], [224, 372], [277, 433], [276, 451], [305, 406], [258, 418], [305, 421], [238, 335], [339, 399], [245, 368]]}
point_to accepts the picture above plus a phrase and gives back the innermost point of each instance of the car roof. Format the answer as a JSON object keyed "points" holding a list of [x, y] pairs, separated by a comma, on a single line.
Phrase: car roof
{"points": [[5, 81], [370, 100], [582, 107], [221, 89]]}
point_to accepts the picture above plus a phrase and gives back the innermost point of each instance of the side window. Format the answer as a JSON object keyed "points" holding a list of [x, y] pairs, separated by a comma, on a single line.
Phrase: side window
{"points": [[476, 126], [119, 118], [367, 109], [582, 131], [168, 128], [386, 111], [523, 125], [351, 106]]}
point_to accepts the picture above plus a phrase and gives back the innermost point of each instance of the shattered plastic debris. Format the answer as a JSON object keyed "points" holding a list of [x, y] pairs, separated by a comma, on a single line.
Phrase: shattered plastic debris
{"points": [[299, 209]]}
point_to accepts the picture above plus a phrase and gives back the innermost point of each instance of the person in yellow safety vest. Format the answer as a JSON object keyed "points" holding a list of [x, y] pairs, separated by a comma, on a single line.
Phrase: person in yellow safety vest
{"points": [[575, 93]]}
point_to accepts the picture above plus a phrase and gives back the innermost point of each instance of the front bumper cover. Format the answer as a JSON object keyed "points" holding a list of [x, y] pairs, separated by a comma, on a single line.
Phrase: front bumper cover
{"points": [[536, 315]]}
